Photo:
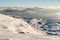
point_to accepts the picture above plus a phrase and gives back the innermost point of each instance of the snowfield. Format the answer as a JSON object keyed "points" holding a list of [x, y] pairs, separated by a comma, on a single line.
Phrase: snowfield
{"points": [[18, 29]]}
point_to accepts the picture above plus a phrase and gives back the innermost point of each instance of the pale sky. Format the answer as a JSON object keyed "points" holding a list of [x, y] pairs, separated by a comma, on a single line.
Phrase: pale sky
{"points": [[30, 3]]}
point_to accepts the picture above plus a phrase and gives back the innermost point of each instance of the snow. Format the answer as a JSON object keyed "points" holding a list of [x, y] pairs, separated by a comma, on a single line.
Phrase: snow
{"points": [[15, 24], [17, 29]]}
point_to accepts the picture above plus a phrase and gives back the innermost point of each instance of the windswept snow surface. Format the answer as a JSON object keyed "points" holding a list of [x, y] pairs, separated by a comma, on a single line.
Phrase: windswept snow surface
{"points": [[17, 29]]}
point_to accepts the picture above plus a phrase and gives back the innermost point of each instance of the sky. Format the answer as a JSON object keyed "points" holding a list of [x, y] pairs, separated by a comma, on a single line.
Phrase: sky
{"points": [[29, 3]]}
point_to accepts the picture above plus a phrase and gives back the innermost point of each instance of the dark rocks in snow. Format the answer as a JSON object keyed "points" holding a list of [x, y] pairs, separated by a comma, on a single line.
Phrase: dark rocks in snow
{"points": [[22, 32], [39, 23], [51, 30], [51, 33], [28, 19], [50, 27], [44, 29], [58, 22]]}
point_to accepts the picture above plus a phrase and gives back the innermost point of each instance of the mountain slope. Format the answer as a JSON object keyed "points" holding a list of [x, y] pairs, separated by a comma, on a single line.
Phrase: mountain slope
{"points": [[15, 25], [15, 29], [49, 27]]}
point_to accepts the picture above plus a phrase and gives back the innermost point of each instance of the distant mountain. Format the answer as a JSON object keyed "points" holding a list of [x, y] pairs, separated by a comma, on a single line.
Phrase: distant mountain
{"points": [[34, 12]]}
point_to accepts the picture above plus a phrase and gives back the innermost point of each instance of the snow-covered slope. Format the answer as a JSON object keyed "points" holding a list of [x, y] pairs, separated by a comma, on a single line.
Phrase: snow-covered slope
{"points": [[15, 25], [13, 29], [16, 29]]}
